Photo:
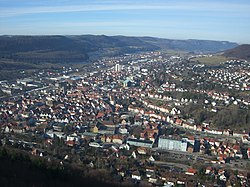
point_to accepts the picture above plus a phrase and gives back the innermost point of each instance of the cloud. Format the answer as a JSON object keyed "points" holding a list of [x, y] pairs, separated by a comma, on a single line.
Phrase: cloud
{"points": [[9, 12], [82, 8], [99, 24]]}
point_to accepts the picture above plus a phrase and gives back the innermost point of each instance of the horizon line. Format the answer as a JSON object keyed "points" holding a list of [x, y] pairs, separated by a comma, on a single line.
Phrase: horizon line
{"points": [[135, 36]]}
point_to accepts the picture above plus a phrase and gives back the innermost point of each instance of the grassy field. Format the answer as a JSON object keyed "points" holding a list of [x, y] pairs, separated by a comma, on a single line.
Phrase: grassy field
{"points": [[211, 61], [174, 52]]}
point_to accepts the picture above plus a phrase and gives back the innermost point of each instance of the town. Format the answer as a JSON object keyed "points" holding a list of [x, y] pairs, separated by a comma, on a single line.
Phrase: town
{"points": [[151, 119]]}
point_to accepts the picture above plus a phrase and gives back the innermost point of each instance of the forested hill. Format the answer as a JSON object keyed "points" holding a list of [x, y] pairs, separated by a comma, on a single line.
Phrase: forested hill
{"points": [[241, 51], [19, 168], [60, 49]]}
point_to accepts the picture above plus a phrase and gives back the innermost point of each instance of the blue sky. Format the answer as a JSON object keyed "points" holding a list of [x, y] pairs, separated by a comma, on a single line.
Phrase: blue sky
{"points": [[179, 19]]}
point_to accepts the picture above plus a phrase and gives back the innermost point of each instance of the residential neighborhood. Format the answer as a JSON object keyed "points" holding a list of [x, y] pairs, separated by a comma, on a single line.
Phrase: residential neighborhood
{"points": [[150, 119]]}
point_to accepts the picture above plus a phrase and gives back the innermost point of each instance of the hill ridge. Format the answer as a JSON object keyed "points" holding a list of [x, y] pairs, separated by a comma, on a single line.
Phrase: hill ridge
{"points": [[241, 51], [80, 48]]}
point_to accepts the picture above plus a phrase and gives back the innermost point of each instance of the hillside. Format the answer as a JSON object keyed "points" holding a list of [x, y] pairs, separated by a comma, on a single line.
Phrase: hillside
{"points": [[18, 168], [195, 46], [241, 51], [64, 49]]}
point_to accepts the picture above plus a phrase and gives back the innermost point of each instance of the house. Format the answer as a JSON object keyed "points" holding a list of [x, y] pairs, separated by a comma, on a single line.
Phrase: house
{"points": [[191, 171], [245, 139], [151, 158], [123, 130], [208, 170], [108, 138], [178, 122], [169, 184], [213, 150], [37, 152], [100, 115], [190, 148], [191, 140], [117, 139], [236, 148], [88, 135], [133, 155], [179, 182], [223, 178], [150, 171], [140, 143], [221, 171], [221, 158], [7, 129], [70, 143], [48, 141], [142, 150], [242, 175], [152, 180], [72, 137], [248, 153], [59, 134], [149, 134], [121, 171], [94, 129], [136, 175], [238, 155], [202, 148], [94, 144]]}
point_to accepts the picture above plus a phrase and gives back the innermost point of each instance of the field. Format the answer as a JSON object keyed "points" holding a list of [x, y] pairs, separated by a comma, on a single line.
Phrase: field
{"points": [[211, 61], [174, 52]]}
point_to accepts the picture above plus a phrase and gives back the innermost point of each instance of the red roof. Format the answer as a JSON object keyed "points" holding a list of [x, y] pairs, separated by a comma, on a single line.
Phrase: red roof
{"points": [[70, 142], [191, 170], [179, 121], [223, 156], [191, 137], [236, 147], [209, 168]]}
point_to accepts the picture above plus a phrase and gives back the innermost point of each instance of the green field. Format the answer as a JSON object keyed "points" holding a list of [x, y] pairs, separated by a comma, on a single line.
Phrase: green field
{"points": [[211, 61], [174, 52]]}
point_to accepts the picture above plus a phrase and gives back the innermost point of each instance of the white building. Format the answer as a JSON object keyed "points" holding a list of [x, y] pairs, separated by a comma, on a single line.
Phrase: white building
{"points": [[166, 143], [118, 67]]}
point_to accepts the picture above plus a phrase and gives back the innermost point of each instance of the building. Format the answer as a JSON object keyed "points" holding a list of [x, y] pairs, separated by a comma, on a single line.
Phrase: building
{"points": [[118, 67], [140, 143], [127, 83], [168, 143], [197, 145]]}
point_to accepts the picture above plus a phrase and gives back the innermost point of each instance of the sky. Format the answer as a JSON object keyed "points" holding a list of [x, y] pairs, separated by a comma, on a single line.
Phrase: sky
{"points": [[225, 20]]}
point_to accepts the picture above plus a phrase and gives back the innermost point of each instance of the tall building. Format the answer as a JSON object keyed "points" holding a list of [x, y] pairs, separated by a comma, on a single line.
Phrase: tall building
{"points": [[197, 145], [118, 67], [167, 143]]}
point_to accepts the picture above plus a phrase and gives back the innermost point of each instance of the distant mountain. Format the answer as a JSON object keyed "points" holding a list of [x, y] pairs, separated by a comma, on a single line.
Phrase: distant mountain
{"points": [[241, 51], [63, 49], [191, 45]]}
